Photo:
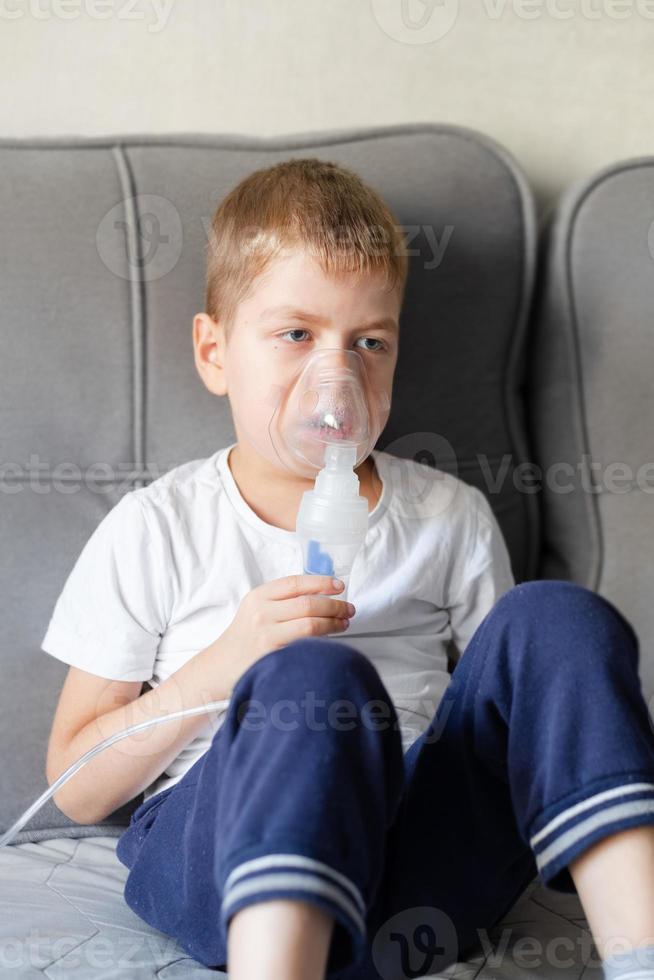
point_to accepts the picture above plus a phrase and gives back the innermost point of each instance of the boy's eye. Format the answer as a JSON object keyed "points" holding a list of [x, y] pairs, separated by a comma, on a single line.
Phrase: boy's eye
{"points": [[374, 339]]}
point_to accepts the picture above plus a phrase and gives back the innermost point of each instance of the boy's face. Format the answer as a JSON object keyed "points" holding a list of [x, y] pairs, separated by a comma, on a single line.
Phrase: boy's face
{"points": [[270, 339]]}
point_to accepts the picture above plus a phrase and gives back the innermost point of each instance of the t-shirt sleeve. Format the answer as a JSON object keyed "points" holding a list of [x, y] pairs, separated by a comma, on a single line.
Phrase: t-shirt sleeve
{"points": [[487, 573], [111, 613]]}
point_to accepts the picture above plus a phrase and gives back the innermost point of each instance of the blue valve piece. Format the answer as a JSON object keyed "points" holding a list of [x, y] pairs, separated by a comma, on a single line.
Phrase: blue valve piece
{"points": [[318, 562]]}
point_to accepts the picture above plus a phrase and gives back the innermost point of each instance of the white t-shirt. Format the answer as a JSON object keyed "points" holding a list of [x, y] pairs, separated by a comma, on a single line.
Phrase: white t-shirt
{"points": [[164, 572]]}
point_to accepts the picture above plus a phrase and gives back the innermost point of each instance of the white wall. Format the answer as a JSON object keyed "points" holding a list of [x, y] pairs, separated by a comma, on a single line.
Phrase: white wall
{"points": [[566, 85]]}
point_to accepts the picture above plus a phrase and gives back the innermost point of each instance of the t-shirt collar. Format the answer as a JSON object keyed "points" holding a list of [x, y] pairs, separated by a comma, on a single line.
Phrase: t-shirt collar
{"points": [[281, 533]]}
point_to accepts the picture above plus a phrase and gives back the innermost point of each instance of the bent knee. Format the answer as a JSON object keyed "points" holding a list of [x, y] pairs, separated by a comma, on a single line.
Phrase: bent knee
{"points": [[558, 596], [571, 610], [317, 663], [327, 657]]}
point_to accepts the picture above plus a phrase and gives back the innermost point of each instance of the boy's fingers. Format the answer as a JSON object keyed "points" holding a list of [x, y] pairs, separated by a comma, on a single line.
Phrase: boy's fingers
{"points": [[293, 629], [318, 607], [294, 585]]}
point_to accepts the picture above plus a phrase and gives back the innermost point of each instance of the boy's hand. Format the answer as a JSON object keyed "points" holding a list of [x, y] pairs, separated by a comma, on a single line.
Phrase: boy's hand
{"points": [[278, 612]]}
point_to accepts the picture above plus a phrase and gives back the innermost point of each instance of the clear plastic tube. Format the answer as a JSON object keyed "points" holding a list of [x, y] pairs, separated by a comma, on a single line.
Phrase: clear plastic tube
{"points": [[16, 827]]}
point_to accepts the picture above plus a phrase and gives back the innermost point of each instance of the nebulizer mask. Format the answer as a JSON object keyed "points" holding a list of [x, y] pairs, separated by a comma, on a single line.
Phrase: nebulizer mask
{"points": [[323, 425]]}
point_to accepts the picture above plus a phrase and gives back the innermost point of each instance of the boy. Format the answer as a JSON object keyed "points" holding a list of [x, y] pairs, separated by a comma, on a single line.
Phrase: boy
{"points": [[293, 846]]}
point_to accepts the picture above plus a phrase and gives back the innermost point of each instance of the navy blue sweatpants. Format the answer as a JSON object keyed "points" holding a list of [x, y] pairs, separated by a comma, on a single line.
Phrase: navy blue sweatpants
{"points": [[541, 745]]}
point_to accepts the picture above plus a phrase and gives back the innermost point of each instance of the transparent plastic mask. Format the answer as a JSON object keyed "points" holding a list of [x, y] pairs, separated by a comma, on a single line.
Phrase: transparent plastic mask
{"points": [[330, 401]]}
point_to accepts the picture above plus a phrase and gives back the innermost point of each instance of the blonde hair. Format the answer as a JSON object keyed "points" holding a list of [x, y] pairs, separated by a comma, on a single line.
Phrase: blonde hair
{"points": [[308, 203]]}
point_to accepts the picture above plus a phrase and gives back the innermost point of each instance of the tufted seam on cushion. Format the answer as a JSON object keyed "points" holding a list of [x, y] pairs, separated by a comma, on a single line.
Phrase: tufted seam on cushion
{"points": [[137, 306], [560, 915], [48, 883], [69, 951], [60, 864], [165, 966]]}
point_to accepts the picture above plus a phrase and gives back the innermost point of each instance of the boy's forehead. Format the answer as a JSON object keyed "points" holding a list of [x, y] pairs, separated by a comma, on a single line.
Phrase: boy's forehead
{"points": [[300, 266], [296, 285]]}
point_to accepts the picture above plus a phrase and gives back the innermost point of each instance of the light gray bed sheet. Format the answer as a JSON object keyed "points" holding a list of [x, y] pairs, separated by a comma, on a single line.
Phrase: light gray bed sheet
{"points": [[63, 916]]}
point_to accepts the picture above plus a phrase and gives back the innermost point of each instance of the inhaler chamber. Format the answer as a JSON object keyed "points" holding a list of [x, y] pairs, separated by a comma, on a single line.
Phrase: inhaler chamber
{"points": [[325, 425]]}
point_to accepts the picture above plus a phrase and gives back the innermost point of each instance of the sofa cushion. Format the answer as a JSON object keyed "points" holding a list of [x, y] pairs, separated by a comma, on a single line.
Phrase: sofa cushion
{"points": [[102, 270], [62, 915], [591, 362]]}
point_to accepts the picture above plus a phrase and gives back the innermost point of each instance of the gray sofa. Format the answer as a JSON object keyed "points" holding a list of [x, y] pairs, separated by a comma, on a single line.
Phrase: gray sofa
{"points": [[513, 357]]}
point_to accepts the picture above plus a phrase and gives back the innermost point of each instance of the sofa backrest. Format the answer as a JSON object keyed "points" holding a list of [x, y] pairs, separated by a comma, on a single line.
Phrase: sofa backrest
{"points": [[590, 407], [102, 269]]}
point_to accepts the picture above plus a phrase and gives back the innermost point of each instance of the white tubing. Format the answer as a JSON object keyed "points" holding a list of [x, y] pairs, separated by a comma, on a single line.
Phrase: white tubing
{"points": [[8, 836]]}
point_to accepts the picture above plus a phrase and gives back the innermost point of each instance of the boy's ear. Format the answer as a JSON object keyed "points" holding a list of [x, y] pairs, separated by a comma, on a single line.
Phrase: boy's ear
{"points": [[209, 352]]}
